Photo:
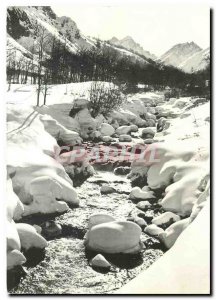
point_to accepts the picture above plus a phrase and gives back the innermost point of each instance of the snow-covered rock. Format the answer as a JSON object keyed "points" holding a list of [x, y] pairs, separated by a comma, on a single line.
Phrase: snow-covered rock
{"points": [[150, 116], [107, 139], [13, 240], [140, 221], [143, 205], [126, 129], [125, 138], [138, 194], [165, 218], [170, 235], [114, 237], [80, 103], [15, 208], [38, 228], [153, 230], [15, 258], [149, 141], [59, 132], [161, 124], [148, 133], [150, 123], [42, 194], [99, 219], [99, 261], [151, 110], [146, 188], [29, 237], [106, 129]]}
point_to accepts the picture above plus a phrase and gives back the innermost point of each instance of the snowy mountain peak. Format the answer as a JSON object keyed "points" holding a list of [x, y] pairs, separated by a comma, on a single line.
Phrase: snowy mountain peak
{"points": [[129, 44], [179, 53], [196, 62]]}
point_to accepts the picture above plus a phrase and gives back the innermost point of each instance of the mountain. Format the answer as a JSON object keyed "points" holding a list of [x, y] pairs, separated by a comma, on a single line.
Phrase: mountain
{"points": [[22, 22], [42, 45], [197, 62], [179, 53], [130, 44]]}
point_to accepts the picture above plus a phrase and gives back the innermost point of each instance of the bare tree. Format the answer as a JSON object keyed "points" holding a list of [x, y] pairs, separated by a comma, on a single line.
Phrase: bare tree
{"points": [[42, 40]]}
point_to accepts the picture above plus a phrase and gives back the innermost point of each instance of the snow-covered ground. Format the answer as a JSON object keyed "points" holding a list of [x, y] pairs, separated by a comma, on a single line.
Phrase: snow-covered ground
{"points": [[38, 182]]}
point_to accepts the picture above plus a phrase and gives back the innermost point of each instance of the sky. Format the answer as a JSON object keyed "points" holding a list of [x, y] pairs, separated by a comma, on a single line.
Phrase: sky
{"points": [[155, 27]]}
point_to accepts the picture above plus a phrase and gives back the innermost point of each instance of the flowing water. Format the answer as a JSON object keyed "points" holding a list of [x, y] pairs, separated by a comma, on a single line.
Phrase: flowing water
{"points": [[64, 267]]}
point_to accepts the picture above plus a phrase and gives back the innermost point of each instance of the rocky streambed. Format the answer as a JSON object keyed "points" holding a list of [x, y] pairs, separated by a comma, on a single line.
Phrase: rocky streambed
{"points": [[65, 267]]}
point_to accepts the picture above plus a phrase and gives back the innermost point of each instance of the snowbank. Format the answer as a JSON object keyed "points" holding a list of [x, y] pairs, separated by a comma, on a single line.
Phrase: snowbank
{"points": [[184, 269]]}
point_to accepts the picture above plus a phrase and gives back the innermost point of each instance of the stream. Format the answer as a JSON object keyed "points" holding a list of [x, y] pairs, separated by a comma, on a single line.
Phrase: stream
{"points": [[63, 268]]}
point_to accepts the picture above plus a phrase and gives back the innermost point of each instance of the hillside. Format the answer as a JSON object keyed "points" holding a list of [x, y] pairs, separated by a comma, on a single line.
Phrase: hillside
{"points": [[22, 23]]}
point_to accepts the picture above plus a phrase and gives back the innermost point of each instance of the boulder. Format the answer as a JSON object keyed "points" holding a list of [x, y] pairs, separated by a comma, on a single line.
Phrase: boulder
{"points": [[140, 221], [107, 139], [165, 218], [153, 230], [148, 133], [170, 235], [15, 258], [146, 188], [151, 110], [99, 261], [106, 129], [29, 237], [126, 129], [122, 170], [51, 229], [149, 116], [13, 239], [106, 189], [133, 128], [149, 141], [38, 228], [80, 103], [161, 124], [114, 237], [150, 123], [125, 138], [138, 194], [99, 219], [143, 205]]}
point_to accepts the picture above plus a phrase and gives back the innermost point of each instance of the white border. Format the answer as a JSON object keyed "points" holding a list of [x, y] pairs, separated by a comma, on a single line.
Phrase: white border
{"points": [[3, 5]]}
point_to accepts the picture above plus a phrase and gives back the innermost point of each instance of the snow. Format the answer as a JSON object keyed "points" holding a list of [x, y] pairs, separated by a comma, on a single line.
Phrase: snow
{"points": [[196, 62], [39, 183], [172, 233], [184, 269]]}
